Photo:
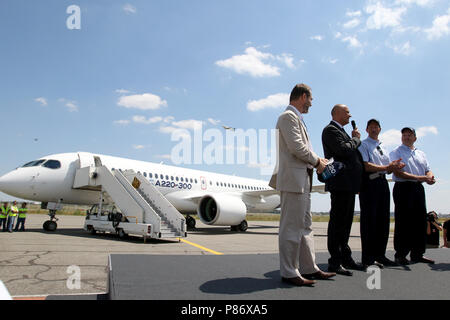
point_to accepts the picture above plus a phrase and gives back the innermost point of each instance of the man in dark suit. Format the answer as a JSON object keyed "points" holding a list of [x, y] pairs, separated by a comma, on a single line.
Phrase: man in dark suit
{"points": [[343, 187]]}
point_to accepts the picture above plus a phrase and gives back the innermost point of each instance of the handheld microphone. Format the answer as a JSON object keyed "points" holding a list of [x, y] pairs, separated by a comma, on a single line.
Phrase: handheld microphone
{"points": [[353, 124]]}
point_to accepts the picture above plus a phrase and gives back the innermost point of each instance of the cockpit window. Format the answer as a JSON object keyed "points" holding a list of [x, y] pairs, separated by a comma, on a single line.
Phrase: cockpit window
{"points": [[34, 163], [52, 164]]}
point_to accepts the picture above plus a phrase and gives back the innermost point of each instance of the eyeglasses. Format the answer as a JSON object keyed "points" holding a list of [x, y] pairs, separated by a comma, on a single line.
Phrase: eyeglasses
{"points": [[379, 150]]}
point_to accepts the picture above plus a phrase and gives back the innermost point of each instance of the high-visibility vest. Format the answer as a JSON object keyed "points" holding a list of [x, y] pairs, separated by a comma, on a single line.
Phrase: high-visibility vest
{"points": [[14, 211], [23, 212], [4, 212]]}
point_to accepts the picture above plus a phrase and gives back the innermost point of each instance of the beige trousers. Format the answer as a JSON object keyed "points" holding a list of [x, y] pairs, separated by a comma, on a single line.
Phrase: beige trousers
{"points": [[296, 237]]}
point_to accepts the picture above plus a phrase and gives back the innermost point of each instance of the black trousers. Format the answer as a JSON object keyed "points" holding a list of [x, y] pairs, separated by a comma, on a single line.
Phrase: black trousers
{"points": [[374, 201], [339, 226], [410, 219]]}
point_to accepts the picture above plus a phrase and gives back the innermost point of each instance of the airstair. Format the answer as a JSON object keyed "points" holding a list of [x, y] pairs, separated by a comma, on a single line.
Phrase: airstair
{"points": [[138, 207]]}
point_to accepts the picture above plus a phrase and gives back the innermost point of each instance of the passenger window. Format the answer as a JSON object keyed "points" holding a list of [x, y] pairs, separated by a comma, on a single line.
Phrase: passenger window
{"points": [[52, 164]]}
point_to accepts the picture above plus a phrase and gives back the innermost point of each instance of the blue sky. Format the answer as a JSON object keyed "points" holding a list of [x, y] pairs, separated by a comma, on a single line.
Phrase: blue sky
{"points": [[135, 71]]}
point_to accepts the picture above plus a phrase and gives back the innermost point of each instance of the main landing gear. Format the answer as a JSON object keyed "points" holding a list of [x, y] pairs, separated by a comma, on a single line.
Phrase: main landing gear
{"points": [[190, 222], [51, 225], [240, 227]]}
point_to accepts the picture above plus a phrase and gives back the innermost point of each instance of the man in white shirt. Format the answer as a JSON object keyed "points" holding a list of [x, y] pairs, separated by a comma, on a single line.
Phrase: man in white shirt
{"points": [[374, 198], [409, 200]]}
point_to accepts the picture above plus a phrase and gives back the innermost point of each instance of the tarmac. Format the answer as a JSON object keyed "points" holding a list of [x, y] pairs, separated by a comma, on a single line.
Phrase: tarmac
{"points": [[211, 263]]}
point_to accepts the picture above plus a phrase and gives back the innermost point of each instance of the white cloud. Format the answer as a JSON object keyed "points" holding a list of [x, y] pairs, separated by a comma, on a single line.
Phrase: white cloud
{"points": [[146, 101], [251, 63], [352, 23], [138, 146], [330, 60], [353, 13], [352, 41], [214, 122], [440, 28], [122, 91], [420, 3], [188, 124], [122, 122], [42, 101], [404, 49], [71, 105], [168, 119], [287, 59], [144, 120], [273, 101], [383, 17], [393, 137], [318, 38], [423, 131], [167, 129], [129, 9]]}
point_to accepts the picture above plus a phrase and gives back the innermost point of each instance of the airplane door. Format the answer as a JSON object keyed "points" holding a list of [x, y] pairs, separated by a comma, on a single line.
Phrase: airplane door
{"points": [[203, 183], [86, 159]]}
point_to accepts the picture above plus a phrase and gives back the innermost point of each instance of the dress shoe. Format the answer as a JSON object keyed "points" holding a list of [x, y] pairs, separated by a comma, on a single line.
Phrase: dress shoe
{"points": [[355, 266], [385, 261], [402, 261], [423, 260], [340, 270], [299, 282], [319, 275]]}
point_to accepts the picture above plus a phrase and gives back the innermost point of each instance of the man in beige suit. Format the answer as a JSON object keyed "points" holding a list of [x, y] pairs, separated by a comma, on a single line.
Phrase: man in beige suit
{"points": [[293, 178]]}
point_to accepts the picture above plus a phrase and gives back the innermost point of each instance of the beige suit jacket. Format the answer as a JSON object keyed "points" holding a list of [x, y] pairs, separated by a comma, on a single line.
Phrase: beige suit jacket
{"points": [[294, 154]]}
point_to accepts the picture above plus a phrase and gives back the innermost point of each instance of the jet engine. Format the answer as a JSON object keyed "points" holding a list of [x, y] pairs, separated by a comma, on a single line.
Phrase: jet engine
{"points": [[222, 210]]}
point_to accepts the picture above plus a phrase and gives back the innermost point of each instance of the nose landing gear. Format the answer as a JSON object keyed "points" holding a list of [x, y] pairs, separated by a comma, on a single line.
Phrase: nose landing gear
{"points": [[51, 225]]}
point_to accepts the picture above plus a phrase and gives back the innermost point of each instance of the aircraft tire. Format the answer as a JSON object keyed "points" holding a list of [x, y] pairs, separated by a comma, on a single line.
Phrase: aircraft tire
{"points": [[190, 222], [243, 226], [50, 225], [121, 233]]}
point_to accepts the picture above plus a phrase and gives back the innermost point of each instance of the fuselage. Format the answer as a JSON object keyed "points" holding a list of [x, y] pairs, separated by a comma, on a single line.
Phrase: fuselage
{"points": [[50, 179]]}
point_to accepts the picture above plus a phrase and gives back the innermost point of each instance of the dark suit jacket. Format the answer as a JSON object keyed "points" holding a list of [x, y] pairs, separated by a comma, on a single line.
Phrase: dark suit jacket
{"points": [[337, 144]]}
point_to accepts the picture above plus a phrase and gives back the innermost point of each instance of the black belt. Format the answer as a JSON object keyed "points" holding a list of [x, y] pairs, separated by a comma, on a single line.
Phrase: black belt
{"points": [[377, 175]]}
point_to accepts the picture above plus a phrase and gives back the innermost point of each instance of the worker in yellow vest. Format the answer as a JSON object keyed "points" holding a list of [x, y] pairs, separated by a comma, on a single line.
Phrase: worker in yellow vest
{"points": [[12, 216], [22, 216], [3, 215]]}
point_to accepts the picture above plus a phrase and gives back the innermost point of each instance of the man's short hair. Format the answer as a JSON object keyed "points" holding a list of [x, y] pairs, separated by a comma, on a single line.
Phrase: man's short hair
{"points": [[299, 90], [373, 121]]}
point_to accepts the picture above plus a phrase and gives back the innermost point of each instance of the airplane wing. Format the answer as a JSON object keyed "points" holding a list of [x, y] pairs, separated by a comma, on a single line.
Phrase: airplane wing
{"points": [[317, 188]]}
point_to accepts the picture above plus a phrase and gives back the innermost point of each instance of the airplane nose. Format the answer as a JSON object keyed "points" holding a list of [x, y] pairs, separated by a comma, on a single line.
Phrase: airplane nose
{"points": [[9, 183], [4, 182]]}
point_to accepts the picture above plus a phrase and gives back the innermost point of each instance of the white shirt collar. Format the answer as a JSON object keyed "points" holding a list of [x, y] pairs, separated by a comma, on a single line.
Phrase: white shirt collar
{"points": [[291, 107], [340, 125]]}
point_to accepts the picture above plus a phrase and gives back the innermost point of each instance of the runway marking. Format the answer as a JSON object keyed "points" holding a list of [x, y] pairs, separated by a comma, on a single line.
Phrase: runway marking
{"points": [[29, 297], [201, 247]]}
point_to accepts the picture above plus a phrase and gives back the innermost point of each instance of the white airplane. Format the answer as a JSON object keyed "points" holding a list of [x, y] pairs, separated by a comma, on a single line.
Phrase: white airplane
{"points": [[210, 195]]}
